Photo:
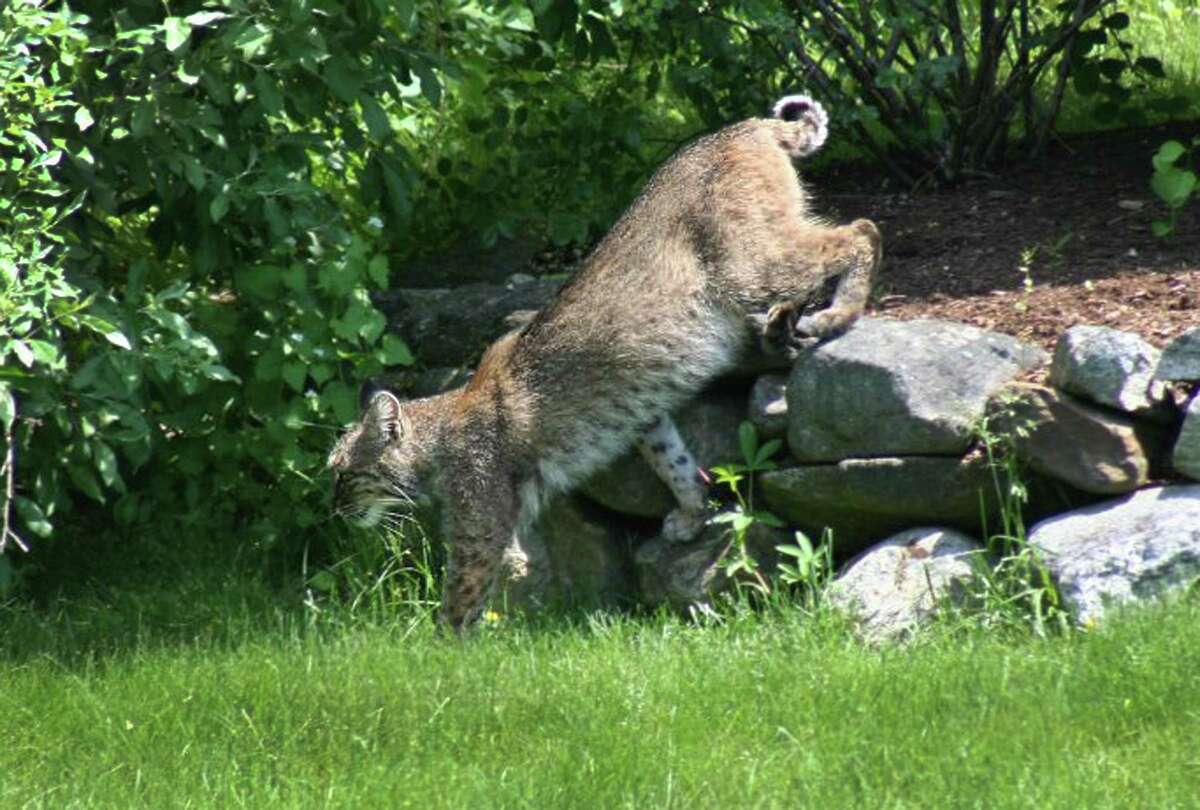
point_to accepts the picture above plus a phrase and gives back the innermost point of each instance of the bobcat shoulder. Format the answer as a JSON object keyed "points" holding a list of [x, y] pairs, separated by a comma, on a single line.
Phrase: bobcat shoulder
{"points": [[720, 249]]}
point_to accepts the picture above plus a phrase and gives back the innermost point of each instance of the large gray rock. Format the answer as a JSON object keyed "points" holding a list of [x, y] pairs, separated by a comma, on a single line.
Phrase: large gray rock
{"points": [[685, 576], [768, 405], [1124, 550], [893, 388], [1091, 449], [896, 586], [466, 264], [709, 427], [1180, 361], [571, 555], [1185, 458], [864, 500], [1109, 367], [453, 327]]}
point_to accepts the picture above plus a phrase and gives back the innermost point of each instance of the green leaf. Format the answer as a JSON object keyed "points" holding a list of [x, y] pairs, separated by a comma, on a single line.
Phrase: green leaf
{"points": [[1167, 154], [766, 451], [177, 32], [202, 18], [1152, 66], [768, 519], [295, 374], [377, 269], [22, 352], [339, 398], [1161, 228], [85, 480], [106, 464], [34, 518], [1116, 22], [253, 40], [396, 352], [218, 207], [748, 440], [216, 371], [294, 277], [193, 170], [141, 120], [83, 118], [1173, 186], [117, 338], [268, 93]]}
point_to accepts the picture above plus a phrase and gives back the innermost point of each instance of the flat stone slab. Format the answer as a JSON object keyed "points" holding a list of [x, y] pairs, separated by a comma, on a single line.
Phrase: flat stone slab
{"points": [[768, 406], [1122, 551], [1091, 449], [864, 500], [709, 428], [895, 587], [1180, 361], [1110, 367], [1185, 458], [686, 576], [452, 327], [898, 388], [570, 555]]}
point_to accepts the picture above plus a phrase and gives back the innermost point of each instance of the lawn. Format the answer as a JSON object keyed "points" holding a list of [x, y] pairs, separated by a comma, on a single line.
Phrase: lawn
{"points": [[237, 701]]}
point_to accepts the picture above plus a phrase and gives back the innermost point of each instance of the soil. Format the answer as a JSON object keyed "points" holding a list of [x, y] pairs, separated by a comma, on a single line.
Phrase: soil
{"points": [[1043, 246]]}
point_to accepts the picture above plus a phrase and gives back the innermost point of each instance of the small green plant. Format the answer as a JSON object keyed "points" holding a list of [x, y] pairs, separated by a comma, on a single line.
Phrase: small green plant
{"points": [[1173, 182], [811, 567], [756, 458], [1018, 589]]}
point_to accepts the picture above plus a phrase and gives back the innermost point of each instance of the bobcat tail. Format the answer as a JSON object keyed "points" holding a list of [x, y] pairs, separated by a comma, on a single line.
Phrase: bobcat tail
{"points": [[810, 124]]}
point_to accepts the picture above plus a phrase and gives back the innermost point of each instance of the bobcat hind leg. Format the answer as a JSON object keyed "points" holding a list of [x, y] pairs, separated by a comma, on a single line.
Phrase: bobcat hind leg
{"points": [[664, 450], [858, 253]]}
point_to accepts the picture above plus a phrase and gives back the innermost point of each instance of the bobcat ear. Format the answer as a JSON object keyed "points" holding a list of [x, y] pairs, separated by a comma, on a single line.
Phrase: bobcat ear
{"points": [[383, 411]]}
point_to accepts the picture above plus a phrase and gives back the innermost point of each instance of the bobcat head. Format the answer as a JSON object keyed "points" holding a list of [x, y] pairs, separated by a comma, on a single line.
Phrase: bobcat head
{"points": [[373, 478]]}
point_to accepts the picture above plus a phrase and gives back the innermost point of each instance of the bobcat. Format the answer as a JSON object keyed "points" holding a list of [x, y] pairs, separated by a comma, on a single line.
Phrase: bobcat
{"points": [[666, 302]]}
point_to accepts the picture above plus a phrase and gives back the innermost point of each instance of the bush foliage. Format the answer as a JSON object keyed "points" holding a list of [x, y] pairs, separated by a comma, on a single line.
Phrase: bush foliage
{"points": [[198, 199]]}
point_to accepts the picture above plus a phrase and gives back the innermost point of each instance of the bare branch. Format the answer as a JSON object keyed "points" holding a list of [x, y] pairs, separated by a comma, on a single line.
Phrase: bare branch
{"points": [[8, 470]]}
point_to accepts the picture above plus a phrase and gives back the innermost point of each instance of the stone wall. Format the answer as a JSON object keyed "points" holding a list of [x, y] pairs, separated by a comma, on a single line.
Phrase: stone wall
{"points": [[883, 434]]}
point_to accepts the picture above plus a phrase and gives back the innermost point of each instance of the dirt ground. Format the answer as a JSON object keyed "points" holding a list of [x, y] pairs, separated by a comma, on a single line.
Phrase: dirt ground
{"points": [[1039, 248]]}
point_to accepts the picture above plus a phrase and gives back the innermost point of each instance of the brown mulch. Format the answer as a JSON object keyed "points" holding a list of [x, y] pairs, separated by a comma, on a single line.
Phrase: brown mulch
{"points": [[1040, 248]]}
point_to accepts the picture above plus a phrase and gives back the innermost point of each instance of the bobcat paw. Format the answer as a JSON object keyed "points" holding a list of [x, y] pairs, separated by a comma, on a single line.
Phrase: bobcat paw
{"points": [[821, 325], [682, 525], [782, 333]]}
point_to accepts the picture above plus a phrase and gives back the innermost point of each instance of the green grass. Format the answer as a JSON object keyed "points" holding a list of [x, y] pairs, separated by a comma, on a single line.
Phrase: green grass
{"points": [[110, 700]]}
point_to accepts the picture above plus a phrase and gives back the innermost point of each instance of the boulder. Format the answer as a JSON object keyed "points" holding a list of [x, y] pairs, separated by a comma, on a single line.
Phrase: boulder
{"points": [[1185, 458], [1110, 367], [685, 576], [453, 327], [466, 264], [1180, 360], [438, 379], [864, 500], [1091, 449], [1123, 550], [898, 388], [896, 586], [768, 405], [573, 554], [709, 427]]}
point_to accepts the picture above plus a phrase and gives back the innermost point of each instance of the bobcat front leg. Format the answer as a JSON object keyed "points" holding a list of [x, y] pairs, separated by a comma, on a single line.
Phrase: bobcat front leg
{"points": [[477, 546], [664, 450], [852, 251]]}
